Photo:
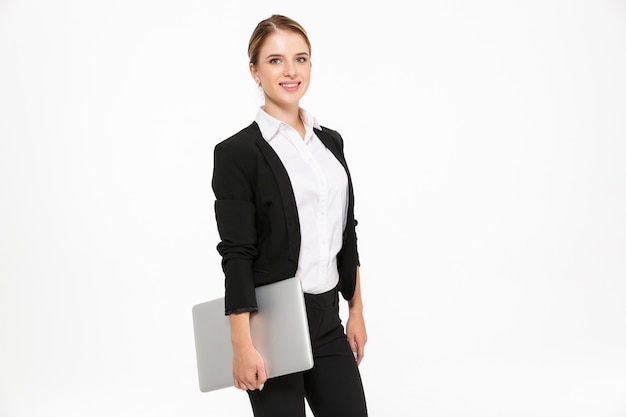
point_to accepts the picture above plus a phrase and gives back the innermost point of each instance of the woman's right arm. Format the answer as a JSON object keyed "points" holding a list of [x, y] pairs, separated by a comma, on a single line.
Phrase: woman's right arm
{"points": [[248, 365], [233, 177]]}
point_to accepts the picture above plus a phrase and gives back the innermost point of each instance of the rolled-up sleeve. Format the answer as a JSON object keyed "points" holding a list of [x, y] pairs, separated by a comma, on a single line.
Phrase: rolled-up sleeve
{"points": [[233, 185]]}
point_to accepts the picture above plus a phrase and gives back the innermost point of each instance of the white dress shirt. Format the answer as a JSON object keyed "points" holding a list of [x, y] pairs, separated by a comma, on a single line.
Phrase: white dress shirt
{"points": [[320, 186]]}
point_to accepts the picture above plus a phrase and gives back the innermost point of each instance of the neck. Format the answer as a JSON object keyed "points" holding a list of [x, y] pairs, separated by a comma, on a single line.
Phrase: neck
{"points": [[288, 115]]}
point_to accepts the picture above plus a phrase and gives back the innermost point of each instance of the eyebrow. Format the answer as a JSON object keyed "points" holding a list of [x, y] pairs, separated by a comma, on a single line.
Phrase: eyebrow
{"points": [[282, 56]]}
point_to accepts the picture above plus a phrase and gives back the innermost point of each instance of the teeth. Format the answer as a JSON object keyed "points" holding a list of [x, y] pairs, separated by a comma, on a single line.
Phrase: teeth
{"points": [[290, 85]]}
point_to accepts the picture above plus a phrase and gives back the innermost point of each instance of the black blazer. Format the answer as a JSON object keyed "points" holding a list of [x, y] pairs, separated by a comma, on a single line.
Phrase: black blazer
{"points": [[257, 217]]}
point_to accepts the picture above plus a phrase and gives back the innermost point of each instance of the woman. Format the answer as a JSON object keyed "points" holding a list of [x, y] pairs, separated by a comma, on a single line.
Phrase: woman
{"points": [[284, 207]]}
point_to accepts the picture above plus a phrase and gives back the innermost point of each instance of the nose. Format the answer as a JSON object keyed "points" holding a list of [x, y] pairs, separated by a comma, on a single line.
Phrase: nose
{"points": [[289, 69]]}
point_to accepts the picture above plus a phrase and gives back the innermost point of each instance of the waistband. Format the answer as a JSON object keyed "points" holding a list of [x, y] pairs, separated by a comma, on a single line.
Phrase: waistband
{"points": [[323, 300]]}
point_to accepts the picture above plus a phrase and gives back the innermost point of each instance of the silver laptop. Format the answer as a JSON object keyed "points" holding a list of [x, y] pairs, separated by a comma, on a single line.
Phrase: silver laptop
{"points": [[279, 331]]}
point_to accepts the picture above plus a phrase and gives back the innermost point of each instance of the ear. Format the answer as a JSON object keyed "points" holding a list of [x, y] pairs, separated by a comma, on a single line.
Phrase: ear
{"points": [[254, 73]]}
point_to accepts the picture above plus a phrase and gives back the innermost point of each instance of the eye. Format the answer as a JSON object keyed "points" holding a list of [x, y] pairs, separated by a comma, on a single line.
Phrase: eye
{"points": [[275, 61], [301, 59]]}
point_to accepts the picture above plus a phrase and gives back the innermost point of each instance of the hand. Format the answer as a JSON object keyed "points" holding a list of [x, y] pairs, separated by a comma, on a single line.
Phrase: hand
{"points": [[357, 335], [248, 369]]}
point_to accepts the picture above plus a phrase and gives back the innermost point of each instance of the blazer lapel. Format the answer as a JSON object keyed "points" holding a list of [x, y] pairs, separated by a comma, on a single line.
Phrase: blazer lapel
{"points": [[334, 146], [286, 192]]}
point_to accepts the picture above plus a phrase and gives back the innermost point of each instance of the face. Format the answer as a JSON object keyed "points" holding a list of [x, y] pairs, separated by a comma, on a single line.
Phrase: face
{"points": [[283, 69]]}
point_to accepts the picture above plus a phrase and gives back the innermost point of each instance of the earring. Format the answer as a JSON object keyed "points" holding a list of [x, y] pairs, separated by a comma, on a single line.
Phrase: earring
{"points": [[258, 81]]}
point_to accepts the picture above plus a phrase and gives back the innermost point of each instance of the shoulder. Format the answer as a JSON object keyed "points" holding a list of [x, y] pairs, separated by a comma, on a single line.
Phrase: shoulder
{"points": [[238, 153], [333, 133], [331, 136], [242, 141]]}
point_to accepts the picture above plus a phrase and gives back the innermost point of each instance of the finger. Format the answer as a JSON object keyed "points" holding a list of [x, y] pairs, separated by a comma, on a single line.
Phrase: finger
{"points": [[261, 376], [246, 383], [359, 354], [252, 383], [241, 385], [360, 351], [353, 345], [249, 387]]}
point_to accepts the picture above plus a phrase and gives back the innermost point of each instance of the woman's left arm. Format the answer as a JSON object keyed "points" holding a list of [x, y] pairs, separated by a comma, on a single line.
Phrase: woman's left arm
{"points": [[355, 327]]}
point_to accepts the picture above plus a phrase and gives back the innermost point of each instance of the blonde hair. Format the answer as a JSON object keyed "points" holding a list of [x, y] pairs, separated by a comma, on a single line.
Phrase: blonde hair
{"points": [[267, 27]]}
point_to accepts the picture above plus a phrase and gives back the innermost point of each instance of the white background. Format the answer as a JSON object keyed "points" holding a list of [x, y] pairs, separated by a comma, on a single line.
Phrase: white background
{"points": [[487, 141]]}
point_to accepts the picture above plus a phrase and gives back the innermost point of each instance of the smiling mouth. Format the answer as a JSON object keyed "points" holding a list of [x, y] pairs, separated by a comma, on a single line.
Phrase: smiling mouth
{"points": [[290, 85]]}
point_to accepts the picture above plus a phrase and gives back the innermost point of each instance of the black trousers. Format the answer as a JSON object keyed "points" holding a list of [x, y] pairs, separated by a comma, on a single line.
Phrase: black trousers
{"points": [[333, 387]]}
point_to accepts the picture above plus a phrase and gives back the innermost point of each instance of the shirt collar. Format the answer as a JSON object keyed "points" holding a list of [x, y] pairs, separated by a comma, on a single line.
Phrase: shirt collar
{"points": [[270, 126]]}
